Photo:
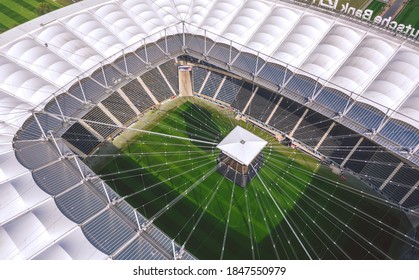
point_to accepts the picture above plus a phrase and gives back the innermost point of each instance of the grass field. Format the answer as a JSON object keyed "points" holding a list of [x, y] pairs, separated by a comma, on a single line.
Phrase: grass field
{"points": [[377, 7], [359, 4], [15, 12], [409, 15], [295, 209]]}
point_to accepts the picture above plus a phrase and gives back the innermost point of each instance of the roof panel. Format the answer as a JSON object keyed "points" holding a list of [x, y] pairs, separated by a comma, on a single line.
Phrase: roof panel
{"points": [[242, 145], [327, 57], [302, 39], [369, 57], [396, 81]]}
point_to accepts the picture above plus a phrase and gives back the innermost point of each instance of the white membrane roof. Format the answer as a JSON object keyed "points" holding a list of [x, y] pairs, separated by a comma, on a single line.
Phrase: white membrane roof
{"points": [[44, 57], [242, 145]]}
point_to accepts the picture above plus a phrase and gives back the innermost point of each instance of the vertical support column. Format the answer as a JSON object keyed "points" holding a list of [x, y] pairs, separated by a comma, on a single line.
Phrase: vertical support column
{"points": [[91, 130], [39, 124], [167, 82], [219, 88], [409, 193], [274, 110], [352, 151], [324, 136], [109, 114], [148, 91], [82, 90], [104, 76], [250, 100], [391, 176], [106, 192], [130, 104], [298, 123], [205, 82], [55, 143]]}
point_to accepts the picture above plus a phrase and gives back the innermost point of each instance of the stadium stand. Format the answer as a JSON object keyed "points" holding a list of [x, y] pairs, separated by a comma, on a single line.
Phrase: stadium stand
{"points": [[68, 64], [243, 96], [212, 84], [366, 116], [312, 128], [333, 100], [262, 104], [86, 89], [274, 73], [130, 63], [199, 75], [137, 95], [339, 143], [361, 156], [169, 70], [229, 90], [286, 115], [157, 85], [119, 108], [100, 122], [81, 138], [303, 86], [379, 167], [401, 133], [401, 182]]}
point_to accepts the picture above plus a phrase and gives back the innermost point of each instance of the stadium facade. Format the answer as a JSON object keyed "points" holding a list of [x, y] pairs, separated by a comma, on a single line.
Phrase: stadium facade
{"points": [[66, 77]]}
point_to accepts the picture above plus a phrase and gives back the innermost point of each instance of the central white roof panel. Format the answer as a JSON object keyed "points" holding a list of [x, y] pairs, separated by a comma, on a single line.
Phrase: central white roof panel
{"points": [[242, 145]]}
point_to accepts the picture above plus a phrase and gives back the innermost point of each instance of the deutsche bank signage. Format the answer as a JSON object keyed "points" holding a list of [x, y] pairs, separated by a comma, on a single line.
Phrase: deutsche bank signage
{"points": [[388, 23]]}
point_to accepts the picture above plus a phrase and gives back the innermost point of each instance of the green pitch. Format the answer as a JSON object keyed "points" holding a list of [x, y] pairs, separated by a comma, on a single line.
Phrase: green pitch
{"points": [[217, 219], [15, 12], [409, 14]]}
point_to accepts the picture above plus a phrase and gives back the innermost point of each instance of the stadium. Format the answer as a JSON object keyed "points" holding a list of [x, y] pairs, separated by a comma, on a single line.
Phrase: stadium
{"points": [[117, 119]]}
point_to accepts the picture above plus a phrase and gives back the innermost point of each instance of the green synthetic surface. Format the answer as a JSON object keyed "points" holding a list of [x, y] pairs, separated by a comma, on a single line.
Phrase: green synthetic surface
{"points": [[377, 7], [359, 4], [317, 208], [15, 12], [410, 14]]}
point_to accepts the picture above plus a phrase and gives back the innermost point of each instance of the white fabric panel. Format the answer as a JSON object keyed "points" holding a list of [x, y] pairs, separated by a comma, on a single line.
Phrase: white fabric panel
{"points": [[28, 235], [302, 39], [400, 76], [69, 47], [242, 145], [246, 22], [220, 16], [144, 15], [10, 167], [7, 130], [114, 18], [329, 54], [13, 110], [87, 28], [24, 84], [409, 110], [54, 252], [74, 246], [9, 250], [166, 11], [6, 141], [273, 30], [363, 64], [36, 230], [39, 59], [10, 201], [197, 11], [18, 195], [52, 219]]}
